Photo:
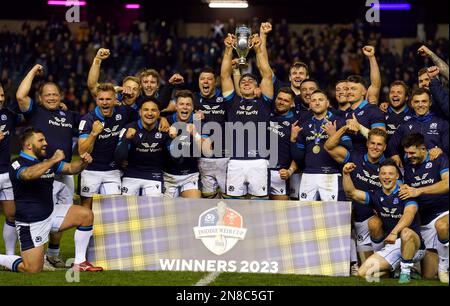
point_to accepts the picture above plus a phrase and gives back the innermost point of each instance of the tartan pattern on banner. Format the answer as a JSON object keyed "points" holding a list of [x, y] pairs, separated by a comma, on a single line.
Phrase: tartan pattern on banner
{"points": [[134, 233]]}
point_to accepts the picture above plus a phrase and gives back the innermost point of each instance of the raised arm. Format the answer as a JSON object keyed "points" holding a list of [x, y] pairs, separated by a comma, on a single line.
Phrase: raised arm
{"points": [[94, 72], [373, 93], [236, 75], [24, 88], [350, 190], [266, 72], [36, 171], [443, 67], [226, 68]]}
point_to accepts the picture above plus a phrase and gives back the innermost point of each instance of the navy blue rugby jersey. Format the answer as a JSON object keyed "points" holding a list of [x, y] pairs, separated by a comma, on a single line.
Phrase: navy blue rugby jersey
{"points": [[426, 174], [106, 142], [146, 152], [58, 126], [34, 199], [8, 122]]}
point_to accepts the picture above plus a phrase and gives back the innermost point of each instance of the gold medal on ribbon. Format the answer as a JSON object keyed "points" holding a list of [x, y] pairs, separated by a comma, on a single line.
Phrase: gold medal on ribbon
{"points": [[316, 149]]}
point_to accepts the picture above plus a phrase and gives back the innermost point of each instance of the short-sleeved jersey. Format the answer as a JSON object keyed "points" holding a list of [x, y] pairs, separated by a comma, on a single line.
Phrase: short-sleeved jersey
{"points": [[147, 152], [34, 199], [105, 144], [393, 119], [251, 113], [322, 162], [281, 126], [365, 177], [58, 126], [8, 122], [433, 128], [390, 208], [369, 116], [426, 174], [214, 110], [184, 143]]}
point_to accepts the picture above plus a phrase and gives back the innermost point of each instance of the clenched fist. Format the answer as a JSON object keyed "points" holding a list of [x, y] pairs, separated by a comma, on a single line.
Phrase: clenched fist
{"points": [[58, 156], [433, 71], [424, 51], [97, 128], [38, 69], [102, 54], [348, 168], [265, 28], [130, 133], [176, 79], [369, 51], [86, 158]]}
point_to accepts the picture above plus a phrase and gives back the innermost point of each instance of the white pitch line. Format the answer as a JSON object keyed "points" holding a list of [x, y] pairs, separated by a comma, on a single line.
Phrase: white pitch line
{"points": [[209, 278]]}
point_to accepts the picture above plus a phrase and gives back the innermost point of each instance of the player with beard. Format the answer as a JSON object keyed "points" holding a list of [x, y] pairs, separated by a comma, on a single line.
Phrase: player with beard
{"points": [[427, 181], [398, 111], [341, 91], [321, 170], [400, 222], [298, 72], [362, 116], [99, 135], [211, 107], [280, 124], [32, 178], [60, 127], [145, 150]]}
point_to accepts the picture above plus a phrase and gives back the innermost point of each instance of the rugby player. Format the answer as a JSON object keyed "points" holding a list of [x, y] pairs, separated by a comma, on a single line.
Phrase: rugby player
{"points": [[36, 215], [400, 221]]}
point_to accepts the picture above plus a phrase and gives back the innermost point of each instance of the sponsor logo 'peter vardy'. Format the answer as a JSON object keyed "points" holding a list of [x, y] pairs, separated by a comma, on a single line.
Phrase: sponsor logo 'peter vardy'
{"points": [[220, 228]]}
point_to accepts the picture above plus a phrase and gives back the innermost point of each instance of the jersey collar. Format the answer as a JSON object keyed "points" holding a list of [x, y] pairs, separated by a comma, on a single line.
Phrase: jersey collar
{"points": [[391, 110], [217, 93], [366, 159], [142, 127], [363, 104], [99, 115], [395, 191], [175, 118], [27, 156]]}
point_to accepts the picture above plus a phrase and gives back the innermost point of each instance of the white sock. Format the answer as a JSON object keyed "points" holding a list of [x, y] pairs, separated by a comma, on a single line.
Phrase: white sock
{"points": [[442, 249], [82, 236], [377, 245], [10, 261], [406, 266], [353, 255], [10, 237]]}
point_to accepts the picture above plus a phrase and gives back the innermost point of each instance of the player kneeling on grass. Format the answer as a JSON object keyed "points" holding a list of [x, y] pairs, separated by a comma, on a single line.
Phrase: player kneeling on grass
{"points": [[32, 178], [403, 243]]}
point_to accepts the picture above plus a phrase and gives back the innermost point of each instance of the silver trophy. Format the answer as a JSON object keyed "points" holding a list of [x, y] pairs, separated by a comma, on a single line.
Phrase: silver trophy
{"points": [[243, 44]]}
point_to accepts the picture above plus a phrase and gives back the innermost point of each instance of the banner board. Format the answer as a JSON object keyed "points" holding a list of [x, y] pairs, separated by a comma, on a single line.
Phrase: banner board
{"points": [[145, 233]]}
